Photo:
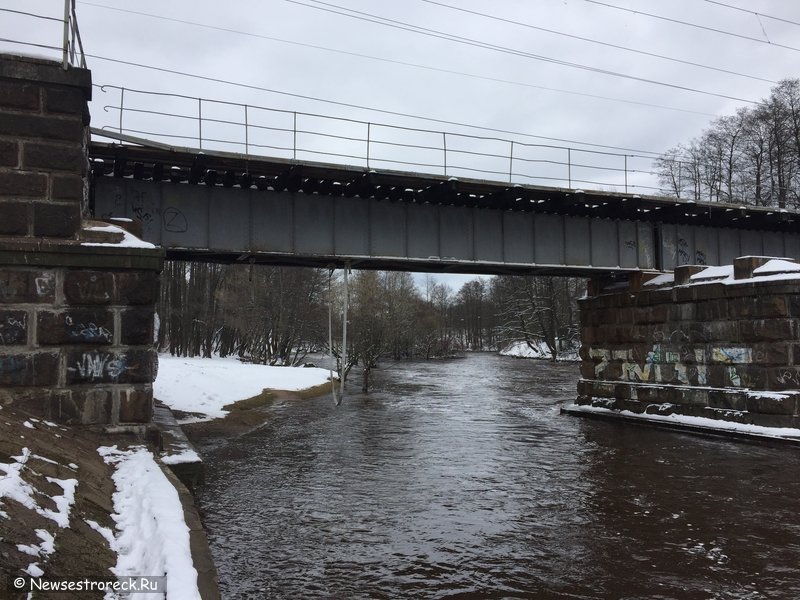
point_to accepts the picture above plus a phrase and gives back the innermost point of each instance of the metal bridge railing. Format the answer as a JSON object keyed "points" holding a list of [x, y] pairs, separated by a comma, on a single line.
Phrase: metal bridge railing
{"points": [[71, 49], [256, 130]]}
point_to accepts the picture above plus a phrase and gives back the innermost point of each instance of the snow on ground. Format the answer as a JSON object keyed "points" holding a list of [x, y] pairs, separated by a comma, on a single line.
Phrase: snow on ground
{"points": [[13, 486], [153, 538], [540, 350], [205, 385], [523, 350], [702, 423]]}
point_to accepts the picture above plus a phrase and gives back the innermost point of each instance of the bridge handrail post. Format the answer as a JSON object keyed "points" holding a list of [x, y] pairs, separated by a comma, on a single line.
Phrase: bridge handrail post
{"points": [[246, 134], [369, 128], [65, 47], [121, 107], [294, 135], [444, 148], [511, 162], [200, 122], [626, 173], [569, 168]]}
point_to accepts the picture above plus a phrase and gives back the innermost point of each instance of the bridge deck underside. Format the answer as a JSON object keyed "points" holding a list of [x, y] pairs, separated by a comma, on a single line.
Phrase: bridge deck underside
{"points": [[197, 222]]}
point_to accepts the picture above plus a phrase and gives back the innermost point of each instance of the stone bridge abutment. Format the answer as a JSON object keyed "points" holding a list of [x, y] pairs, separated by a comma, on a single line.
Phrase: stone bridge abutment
{"points": [[715, 342], [77, 301]]}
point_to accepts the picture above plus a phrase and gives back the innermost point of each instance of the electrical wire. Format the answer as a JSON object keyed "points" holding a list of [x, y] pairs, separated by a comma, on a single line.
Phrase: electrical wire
{"points": [[594, 41], [695, 25], [752, 12], [371, 18], [402, 63]]}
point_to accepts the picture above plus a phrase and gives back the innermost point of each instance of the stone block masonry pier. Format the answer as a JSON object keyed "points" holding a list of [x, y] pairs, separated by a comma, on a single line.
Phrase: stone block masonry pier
{"points": [[77, 297], [720, 343]]}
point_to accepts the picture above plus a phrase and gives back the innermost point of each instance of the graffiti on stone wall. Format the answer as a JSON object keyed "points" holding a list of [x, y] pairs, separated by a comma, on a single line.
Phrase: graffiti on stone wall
{"points": [[87, 332], [94, 366], [685, 364], [13, 331]]}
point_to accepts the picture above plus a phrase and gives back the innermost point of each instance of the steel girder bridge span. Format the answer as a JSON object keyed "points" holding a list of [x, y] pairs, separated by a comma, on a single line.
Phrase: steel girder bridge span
{"points": [[213, 207]]}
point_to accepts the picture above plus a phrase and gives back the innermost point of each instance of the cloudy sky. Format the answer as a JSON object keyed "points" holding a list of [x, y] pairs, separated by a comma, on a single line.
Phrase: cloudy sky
{"points": [[610, 75]]}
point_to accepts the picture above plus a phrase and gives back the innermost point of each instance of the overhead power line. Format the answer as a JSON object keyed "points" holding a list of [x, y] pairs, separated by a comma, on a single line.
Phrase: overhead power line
{"points": [[752, 12], [371, 18], [366, 108], [599, 42], [695, 25], [393, 61]]}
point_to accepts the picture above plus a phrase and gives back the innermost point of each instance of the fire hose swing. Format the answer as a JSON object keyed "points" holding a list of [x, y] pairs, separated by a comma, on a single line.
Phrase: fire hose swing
{"points": [[342, 365]]}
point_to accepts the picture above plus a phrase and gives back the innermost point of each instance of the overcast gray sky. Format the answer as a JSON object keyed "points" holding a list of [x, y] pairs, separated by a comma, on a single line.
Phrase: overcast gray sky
{"points": [[513, 86]]}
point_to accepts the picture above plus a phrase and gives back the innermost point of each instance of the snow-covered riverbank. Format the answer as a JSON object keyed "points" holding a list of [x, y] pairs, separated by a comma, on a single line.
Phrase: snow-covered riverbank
{"points": [[206, 386]]}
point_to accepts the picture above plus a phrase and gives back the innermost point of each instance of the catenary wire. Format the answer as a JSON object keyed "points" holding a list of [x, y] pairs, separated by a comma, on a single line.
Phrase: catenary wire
{"points": [[400, 62], [695, 25], [362, 16], [594, 41], [752, 12]]}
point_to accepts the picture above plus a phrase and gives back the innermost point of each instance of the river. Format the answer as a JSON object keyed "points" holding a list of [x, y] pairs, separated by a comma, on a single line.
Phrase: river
{"points": [[461, 479]]}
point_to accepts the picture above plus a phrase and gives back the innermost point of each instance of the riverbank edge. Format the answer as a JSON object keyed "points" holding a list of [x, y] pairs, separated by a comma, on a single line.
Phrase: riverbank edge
{"points": [[603, 414], [243, 415]]}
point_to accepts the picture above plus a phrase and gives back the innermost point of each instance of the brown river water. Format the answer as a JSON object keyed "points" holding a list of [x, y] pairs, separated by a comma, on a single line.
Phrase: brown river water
{"points": [[461, 479]]}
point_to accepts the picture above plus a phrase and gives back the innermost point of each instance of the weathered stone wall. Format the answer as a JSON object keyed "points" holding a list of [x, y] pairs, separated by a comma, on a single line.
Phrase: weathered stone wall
{"points": [[715, 343], [76, 318]]}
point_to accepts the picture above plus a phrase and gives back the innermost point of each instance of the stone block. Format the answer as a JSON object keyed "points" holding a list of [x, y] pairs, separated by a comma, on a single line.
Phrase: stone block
{"points": [[633, 406], [136, 406], [20, 96], [101, 366], [26, 286], [752, 376], [768, 330], [709, 291], [682, 312], [41, 127], [88, 287], [137, 287], [783, 378], [13, 327], [775, 354], [16, 184], [76, 326], [14, 218], [683, 273], [794, 305], [67, 187], [137, 327], [664, 296], [587, 370], [56, 220], [28, 370], [743, 266], [711, 310], [727, 400], [81, 406], [771, 404], [65, 101], [743, 308], [54, 157], [584, 387], [9, 153], [684, 294], [773, 307]]}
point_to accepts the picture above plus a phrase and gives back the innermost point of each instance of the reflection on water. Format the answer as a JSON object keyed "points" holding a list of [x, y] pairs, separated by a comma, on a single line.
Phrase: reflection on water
{"points": [[460, 479]]}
